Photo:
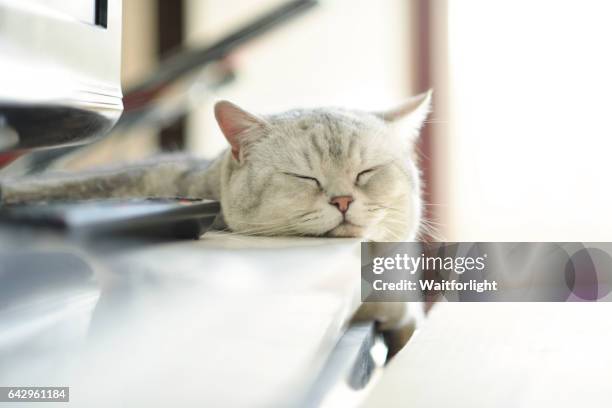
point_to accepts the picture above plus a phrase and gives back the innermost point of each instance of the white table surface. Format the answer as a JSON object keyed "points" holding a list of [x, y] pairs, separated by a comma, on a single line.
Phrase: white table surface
{"points": [[224, 321]]}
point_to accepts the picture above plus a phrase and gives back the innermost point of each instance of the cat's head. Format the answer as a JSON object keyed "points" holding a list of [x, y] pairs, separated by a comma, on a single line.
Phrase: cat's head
{"points": [[323, 172]]}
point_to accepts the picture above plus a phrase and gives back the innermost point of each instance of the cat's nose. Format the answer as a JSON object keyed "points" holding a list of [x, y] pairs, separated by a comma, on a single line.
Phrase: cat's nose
{"points": [[342, 202]]}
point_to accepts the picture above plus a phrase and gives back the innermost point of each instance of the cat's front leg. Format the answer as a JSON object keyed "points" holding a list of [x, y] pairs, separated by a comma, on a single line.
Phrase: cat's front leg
{"points": [[123, 184], [396, 321]]}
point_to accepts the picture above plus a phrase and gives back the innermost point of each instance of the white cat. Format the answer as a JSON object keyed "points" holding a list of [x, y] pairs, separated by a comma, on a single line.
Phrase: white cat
{"points": [[317, 172]]}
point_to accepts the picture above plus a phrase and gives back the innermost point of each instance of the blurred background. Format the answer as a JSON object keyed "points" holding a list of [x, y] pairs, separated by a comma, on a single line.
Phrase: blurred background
{"points": [[517, 147]]}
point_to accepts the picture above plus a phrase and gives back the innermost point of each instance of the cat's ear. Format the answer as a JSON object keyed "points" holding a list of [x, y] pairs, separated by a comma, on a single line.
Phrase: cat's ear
{"points": [[411, 113], [238, 126]]}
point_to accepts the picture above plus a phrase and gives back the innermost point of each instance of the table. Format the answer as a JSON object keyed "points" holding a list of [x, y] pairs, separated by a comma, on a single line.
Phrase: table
{"points": [[224, 321]]}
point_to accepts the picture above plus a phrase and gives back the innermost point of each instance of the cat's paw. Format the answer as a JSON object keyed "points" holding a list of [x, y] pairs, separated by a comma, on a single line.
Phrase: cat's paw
{"points": [[396, 321]]}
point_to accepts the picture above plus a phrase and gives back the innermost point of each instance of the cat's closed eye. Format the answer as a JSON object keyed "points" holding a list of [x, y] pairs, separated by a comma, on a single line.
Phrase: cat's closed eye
{"points": [[362, 175], [300, 176]]}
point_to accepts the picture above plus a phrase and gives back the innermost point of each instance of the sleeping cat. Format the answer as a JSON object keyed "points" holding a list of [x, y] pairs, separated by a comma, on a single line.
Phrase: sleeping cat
{"points": [[318, 172]]}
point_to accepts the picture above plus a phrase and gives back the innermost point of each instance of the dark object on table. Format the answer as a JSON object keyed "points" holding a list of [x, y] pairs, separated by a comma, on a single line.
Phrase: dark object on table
{"points": [[147, 218]]}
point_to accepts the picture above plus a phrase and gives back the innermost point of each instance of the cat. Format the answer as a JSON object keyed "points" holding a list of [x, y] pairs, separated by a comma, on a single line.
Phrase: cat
{"points": [[310, 172]]}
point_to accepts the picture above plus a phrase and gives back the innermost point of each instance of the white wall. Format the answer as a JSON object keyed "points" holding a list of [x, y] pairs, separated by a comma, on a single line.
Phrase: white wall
{"points": [[346, 52], [530, 140]]}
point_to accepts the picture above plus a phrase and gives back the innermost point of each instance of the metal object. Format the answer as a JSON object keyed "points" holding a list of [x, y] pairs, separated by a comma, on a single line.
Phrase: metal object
{"points": [[60, 76], [349, 369]]}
